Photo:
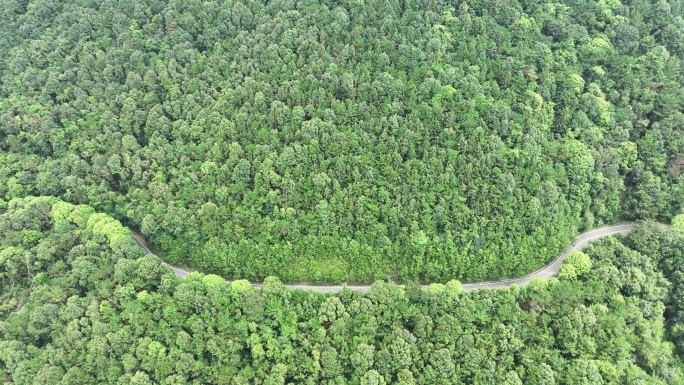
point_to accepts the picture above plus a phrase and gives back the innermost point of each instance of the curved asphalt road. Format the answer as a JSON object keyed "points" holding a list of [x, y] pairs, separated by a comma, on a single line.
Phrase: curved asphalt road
{"points": [[548, 271]]}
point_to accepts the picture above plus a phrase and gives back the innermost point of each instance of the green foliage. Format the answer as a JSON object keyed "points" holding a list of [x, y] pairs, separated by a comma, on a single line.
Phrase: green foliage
{"points": [[74, 310], [568, 271], [678, 222], [575, 265], [345, 141]]}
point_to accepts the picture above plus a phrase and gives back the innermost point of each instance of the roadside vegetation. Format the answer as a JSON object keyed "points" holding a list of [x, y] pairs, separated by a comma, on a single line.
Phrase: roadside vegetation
{"points": [[81, 305], [333, 141]]}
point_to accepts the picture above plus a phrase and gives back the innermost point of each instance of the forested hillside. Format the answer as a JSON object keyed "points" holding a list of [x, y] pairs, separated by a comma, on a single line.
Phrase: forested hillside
{"points": [[80, 305], [347, 140]]}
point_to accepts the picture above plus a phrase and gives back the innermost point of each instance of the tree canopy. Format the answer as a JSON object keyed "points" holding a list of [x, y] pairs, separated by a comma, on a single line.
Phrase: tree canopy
{"points": [[335, 141], [78, 308]]}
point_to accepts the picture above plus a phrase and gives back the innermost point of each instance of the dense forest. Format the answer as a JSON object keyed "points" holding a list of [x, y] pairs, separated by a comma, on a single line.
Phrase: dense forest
{"points": [[80, 304], [350, 140]]}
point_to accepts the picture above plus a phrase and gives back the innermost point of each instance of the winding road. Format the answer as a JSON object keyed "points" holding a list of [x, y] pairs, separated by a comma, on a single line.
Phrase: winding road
{"points": [[550, 270]]}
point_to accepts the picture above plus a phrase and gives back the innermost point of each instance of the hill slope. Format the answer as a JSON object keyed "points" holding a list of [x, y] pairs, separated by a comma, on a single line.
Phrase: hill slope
{"points": [[319, 140], [79, 305]]}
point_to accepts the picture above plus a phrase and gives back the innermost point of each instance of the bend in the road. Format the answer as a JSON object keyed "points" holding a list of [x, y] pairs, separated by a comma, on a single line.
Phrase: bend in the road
{"points": [[548, 271]]}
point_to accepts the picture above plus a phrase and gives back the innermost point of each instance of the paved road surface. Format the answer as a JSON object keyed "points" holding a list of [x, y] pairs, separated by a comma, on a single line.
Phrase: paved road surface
{"points": [[550, 270]]}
